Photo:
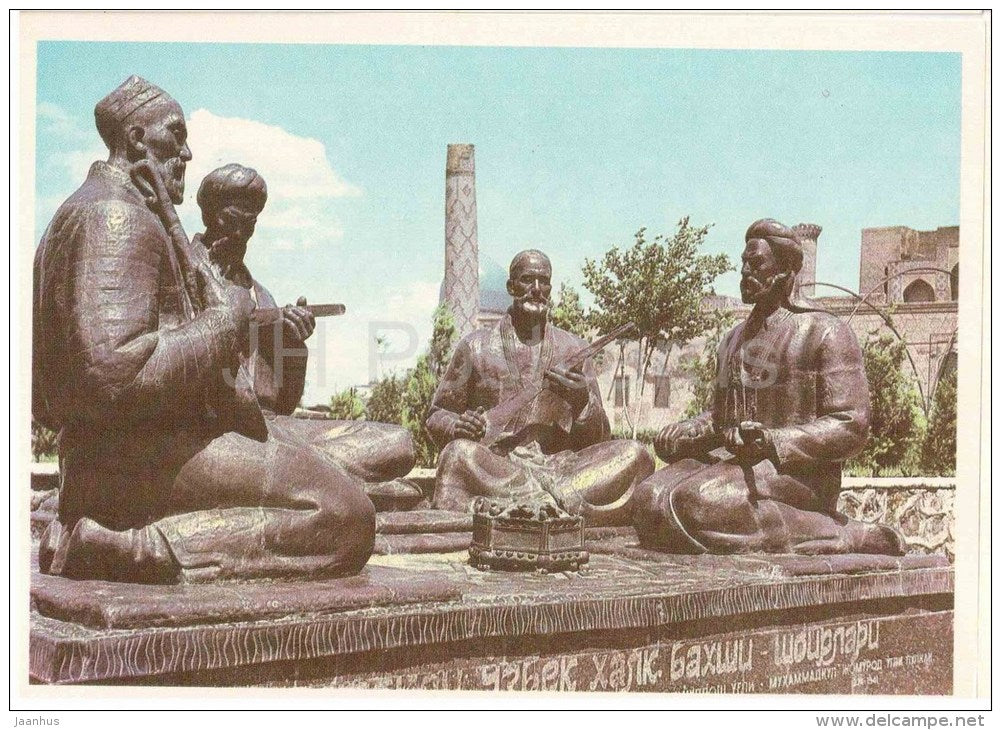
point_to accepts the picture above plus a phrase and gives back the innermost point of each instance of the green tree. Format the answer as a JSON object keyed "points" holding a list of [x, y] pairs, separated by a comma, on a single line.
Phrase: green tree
{"points": [[938, 451], [568, 313], [44, 443], [895, 416], [658, 285], [702, 369], [422, 383], [385, 400], [347, 405]]}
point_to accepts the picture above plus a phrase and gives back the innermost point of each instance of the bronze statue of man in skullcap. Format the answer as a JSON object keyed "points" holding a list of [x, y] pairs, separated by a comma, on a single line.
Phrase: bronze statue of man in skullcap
{"points": [[169, 469], [760, 471], [231, 198]]}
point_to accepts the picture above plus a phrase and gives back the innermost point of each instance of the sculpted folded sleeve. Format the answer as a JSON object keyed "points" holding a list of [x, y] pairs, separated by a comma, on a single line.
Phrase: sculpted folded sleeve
{"points": [[452, 396], [842, 424], [124, 365], [591, 426], [287, 358]]}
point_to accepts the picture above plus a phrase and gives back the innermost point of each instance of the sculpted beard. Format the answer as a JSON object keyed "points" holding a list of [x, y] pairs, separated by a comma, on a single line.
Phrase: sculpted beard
{"points": [[536, 306], [173, 178], [752, 288]]}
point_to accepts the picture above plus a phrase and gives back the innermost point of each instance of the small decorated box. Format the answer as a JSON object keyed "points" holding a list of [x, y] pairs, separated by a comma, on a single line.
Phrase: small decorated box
{"points": [[503, 542]]}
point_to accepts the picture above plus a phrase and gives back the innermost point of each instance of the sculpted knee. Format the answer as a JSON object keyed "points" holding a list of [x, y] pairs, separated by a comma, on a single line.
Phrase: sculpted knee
{"points": [[397, 449], [456, 454], [344, 522], [404, 450], [692, 508], [640, 459], [644, 498]]}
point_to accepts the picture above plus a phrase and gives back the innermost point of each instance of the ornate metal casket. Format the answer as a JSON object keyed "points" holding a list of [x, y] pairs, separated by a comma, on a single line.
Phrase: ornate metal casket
{"points": [[516, 543]]}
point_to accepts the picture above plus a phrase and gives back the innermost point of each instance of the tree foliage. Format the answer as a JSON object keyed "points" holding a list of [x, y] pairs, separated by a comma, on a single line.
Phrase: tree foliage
{"points": [[44, 442], [895, 417], [659, 285], [385, 400], [422, 383], [347, 405], [568, 313], [938, 452]]}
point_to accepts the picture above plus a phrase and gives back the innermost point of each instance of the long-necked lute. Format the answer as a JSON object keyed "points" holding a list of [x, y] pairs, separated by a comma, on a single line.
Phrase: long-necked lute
{"points": [[536, 405], [270, 315]]}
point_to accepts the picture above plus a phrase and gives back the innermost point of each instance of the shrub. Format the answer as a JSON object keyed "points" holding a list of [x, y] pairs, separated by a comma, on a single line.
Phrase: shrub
{"points": [[938, 451], [896, 422], [385, 401], [347, 405], [44, 442]]}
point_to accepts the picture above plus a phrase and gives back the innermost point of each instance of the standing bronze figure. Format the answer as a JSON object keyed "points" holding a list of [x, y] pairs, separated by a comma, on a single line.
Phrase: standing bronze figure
{"points": [[790, 404]]}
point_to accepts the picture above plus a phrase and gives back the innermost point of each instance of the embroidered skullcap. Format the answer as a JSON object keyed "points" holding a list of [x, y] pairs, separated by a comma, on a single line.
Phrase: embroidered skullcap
{"points": [[520, 258], [784, 242], [115, 109], [229, 184]]}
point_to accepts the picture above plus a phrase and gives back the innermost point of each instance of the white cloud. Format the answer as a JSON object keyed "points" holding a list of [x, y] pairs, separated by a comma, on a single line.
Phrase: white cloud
{"points": [[350, 356], [301, 181], [294, 167]]}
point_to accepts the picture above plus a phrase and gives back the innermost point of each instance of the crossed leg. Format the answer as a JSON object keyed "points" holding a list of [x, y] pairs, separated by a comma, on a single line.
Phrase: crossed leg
{"points": [[596, 481], [693, 507], [213, 508]]}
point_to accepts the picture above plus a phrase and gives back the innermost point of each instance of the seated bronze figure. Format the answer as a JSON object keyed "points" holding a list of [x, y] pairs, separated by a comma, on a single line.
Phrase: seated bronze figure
{"points": [[790, 404], [231, 198], [171, 470], [557, 449]]}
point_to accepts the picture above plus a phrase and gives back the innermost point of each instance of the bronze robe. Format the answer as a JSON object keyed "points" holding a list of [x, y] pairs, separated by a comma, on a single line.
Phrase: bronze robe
{"points": [[559, 457], [373, 452], [128, 371], [801, 376]]}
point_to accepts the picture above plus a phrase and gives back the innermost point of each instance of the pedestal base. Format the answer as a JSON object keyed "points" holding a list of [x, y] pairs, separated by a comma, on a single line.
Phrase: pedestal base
{"points": [[633, 621]]}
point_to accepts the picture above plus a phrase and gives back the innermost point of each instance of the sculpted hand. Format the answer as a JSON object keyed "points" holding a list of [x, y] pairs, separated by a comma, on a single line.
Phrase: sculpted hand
{"points": [[471, 425], [750, 441], [570, 385], [220, 293], [297, 321], [672, 439]]}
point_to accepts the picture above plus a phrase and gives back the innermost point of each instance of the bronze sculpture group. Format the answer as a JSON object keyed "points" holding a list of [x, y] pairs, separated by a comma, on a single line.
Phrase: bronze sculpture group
{"points": [[180, 460]]}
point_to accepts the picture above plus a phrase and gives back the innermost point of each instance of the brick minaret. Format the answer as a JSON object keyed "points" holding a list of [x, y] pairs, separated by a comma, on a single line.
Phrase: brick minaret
{"points": [[808, 234], [461, 288]]}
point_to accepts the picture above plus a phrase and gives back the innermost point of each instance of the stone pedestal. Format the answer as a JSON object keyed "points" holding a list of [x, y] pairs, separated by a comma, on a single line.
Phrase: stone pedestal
{"points": [[634, 621]]}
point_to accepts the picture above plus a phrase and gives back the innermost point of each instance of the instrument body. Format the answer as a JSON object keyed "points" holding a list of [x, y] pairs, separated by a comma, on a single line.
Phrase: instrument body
{"points": [[539, 406]]}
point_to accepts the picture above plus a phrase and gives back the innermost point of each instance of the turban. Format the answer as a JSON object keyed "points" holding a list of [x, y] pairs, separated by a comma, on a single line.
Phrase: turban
{"points": [[114, 109], [229, 184], [520, 258], [784, 242]]}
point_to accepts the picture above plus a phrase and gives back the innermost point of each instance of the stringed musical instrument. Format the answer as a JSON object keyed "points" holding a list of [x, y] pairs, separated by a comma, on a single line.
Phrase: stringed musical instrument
{"points": [[270, 315], [508, 420]]}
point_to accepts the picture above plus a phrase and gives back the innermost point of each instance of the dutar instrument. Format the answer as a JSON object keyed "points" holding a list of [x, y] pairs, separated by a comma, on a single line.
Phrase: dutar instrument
{"points": [[511, 418]]}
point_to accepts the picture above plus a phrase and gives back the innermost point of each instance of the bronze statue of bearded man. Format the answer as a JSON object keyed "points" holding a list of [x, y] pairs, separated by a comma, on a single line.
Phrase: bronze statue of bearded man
{"points": [[557, 450], [169, 469], [760, 471]]}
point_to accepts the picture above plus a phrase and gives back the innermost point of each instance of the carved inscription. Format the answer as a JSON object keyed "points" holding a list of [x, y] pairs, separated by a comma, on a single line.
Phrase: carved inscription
{"points": [[891, 655]]}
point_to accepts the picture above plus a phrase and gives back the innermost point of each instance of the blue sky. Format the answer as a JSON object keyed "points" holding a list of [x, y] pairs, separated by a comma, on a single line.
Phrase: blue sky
{"points": [[575, 150]]}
